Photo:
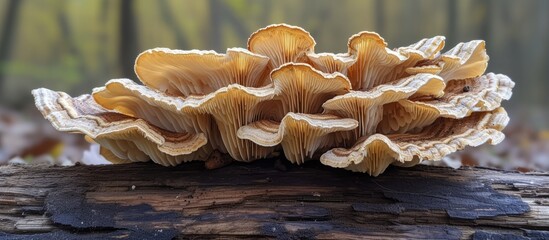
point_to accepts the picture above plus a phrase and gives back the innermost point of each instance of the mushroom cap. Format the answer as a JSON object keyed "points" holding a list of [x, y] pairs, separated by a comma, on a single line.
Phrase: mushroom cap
{"points": [[194, 72], [465, 60], [111, 157], [373, 106], [282, 43], [301, 135], [376, 64], [135, 100], [164, 111], [375, 153], [483, 93], [233, 107], [431, 69], [426, 48], [303, 89], [366, 106], [331, 63], [85, 116]]}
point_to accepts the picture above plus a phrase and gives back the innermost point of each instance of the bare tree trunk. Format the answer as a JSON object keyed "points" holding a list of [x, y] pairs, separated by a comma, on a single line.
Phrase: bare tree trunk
{"points": [[128, 38], [7, 36]]}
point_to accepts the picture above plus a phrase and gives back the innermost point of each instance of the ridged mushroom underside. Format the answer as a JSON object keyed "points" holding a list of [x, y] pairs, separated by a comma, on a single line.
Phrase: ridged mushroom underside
{"points": [[361, 110]]}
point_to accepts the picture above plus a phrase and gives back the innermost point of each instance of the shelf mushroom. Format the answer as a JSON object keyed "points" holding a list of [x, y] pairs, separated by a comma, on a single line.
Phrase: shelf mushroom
{"points": [[362, 110]]}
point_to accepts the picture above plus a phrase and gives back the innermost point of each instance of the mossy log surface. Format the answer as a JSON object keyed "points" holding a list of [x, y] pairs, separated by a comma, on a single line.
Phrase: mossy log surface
{"points": [[268, 199]]}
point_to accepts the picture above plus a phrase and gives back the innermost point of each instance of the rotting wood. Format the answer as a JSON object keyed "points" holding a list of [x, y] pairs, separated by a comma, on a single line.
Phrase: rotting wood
{"points": [[257, 200]]}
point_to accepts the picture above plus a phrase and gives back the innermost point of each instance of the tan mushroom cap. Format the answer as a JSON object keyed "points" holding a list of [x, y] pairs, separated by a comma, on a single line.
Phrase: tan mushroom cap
{"points": [[331, 63], [129, 98], [218, 114], [373, 106], [303, 89], [366, 106], [300, 135], [375, 153], [233, 107], [431, 69], [118, 132], [376, 64], [111, 157], [465, 60], [185, 73], [164, 111], [426, 48], [462, 97], [282, 43]]}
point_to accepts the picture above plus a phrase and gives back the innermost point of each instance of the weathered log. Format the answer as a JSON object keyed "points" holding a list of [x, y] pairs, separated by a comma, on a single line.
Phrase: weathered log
{"points": [[259, 200]]}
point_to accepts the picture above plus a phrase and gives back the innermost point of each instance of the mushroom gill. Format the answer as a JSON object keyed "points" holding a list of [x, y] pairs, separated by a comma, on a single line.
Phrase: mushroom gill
{"points": [[185, 73], [282, 43], [376, 152], [461, 98], [362, 110], [300, 135], [126, 137]]}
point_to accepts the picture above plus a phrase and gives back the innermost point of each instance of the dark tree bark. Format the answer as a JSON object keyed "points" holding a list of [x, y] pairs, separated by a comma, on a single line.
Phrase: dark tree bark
{"points": [[7, 36], [128, 38], [257, 200]]}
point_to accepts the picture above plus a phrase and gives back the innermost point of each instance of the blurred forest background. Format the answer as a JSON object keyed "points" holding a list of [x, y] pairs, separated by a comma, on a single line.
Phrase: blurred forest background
{"points": [[75, 45]]}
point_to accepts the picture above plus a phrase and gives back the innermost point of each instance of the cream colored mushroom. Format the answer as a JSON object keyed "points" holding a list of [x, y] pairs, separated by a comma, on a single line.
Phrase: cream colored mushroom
{"points": [[461, 98], [331, 63], [126, 137], [233, 107], [373, 105], [167, 112], [465, 60], [375, 153], [302, 89], [218, 114], [282, 43], [132, 99], [376, 64], [367, 106], [300, 135], [185, 73]]}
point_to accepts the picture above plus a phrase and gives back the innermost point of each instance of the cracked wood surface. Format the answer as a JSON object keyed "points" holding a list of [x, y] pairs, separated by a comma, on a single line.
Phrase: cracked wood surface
{"points": [[267, 199]]}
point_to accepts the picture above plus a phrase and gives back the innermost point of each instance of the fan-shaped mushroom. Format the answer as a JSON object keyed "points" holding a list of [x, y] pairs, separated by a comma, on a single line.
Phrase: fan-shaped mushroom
{"points": [[372, 106], [185, 73], [300, 135], [282, 43], [367, 106], [302, 89], [375, 153], [461, 98], [376, 64], [126, 137]]}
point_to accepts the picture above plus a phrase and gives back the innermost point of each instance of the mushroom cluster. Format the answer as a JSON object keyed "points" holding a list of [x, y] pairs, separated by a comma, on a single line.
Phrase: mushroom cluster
{"points": [[362, 110]]}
